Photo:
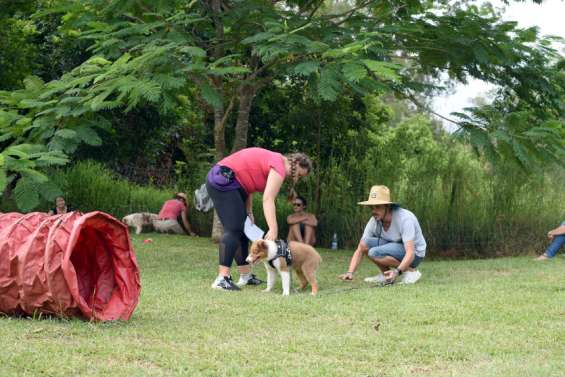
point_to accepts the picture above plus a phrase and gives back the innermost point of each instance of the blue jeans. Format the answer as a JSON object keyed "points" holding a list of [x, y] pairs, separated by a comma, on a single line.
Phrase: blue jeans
{"points": [[558, 241], [379, 248]]}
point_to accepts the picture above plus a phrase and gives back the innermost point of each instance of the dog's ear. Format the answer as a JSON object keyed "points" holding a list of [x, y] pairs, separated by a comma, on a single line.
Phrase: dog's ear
{"points": [[262, 244], [256, 245]]}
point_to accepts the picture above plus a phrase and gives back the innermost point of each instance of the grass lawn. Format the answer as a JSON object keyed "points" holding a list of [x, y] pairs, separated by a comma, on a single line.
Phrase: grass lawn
{"points": [[501, 317]]}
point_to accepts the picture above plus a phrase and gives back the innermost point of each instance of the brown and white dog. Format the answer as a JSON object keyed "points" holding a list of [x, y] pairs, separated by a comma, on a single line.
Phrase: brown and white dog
{"points": [[305, 262], [140, 220]]}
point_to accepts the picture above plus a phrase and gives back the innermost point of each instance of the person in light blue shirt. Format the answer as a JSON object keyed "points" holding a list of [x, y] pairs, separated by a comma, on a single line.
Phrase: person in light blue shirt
{"points": [[392, 239]]}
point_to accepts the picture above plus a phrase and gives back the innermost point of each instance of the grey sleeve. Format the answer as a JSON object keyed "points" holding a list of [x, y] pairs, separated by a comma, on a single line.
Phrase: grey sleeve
{"points": [[408, 230], [369, 229]]}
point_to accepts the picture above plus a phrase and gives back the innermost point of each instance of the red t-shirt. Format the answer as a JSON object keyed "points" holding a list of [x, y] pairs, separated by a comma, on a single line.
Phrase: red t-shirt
{"points": [[252, 166], [171, 209]]}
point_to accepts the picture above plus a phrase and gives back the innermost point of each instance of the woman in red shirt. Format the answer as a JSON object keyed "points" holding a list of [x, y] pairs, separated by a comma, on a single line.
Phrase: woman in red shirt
{"points": [[173, 216], [231, 184]]}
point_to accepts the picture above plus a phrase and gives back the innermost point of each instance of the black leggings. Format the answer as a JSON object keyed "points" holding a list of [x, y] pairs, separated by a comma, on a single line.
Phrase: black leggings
{"points": [[230, 206]]}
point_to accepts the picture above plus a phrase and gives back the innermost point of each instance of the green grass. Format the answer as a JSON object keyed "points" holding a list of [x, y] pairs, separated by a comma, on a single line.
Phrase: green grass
{"points": [[501, 317]]}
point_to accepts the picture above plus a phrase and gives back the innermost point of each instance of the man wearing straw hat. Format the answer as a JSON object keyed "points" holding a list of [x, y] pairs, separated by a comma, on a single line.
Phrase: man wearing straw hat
{"points": [[392, 239]]}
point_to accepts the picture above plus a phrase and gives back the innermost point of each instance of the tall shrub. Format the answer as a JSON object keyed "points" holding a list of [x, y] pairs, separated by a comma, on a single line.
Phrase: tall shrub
{"points": [[89, 186]]}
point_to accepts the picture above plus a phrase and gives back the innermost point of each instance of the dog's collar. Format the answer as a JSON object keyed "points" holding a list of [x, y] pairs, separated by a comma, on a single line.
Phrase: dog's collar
{"points": [[282, 251]]}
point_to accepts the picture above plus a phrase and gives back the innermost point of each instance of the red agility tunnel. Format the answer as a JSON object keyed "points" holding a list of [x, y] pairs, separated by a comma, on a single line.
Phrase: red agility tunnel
{"points": [[67, 265]]}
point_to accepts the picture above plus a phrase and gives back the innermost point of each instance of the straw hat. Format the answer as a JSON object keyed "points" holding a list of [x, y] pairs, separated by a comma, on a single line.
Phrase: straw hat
{"points": [[378, 195], [181, 195]]}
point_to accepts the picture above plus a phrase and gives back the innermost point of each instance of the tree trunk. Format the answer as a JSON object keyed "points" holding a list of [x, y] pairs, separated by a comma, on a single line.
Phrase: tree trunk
{"points": [[317, 193], [219, 134], [217, 228], [220, 114], [245, 94], [220, 146], [451, 213]]}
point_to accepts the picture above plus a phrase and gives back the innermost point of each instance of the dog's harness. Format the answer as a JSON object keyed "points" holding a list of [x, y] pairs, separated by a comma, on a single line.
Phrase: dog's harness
{"points": [[282, 252]]}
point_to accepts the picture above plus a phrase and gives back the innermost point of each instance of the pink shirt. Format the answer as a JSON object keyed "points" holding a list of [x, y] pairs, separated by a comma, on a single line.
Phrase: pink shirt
{"points": [[252, 166], [171, 209]]}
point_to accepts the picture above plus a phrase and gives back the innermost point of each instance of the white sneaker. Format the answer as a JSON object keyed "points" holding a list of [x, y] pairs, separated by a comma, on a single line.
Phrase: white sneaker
{"points": [[410, 277], [249, 279], [380, 278], [225, 283], [216, 283]]}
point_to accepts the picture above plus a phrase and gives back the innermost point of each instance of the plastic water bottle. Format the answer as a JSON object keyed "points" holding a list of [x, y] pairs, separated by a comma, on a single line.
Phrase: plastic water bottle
{"points": [[334, 241]]}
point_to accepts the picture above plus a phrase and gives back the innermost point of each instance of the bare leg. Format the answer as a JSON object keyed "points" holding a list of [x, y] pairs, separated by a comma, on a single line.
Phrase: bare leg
{"points": [[386, 262], [294, 233], [362, 249], [245, 269], [310, 235], [223, 271], [380, 266]]}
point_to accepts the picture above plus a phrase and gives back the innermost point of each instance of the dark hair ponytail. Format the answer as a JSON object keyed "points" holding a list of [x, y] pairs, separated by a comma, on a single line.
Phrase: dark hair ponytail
{"points": [[302, 160]]}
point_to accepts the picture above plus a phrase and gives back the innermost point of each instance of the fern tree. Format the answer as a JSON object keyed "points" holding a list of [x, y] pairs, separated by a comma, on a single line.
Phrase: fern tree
{"points": [[231, 49], [529, 133]]}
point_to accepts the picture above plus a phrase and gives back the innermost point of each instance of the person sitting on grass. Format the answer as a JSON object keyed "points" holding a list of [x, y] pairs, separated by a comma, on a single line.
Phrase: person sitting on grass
{"points": [[60, 207], [392, 239], [301, 224], [557, 236], [173, 217]]}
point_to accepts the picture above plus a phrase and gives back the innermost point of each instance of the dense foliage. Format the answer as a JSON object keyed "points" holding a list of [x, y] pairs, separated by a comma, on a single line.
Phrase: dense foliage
{"points": [[158, 90]]}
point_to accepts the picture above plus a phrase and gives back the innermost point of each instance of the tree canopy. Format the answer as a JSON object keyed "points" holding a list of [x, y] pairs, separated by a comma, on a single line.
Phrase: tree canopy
{"points": [[218, 55]]}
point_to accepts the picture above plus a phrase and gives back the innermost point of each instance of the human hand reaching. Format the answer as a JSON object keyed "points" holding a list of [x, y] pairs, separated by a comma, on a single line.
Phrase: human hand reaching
{"points": [[391, 275], [271, 235]]}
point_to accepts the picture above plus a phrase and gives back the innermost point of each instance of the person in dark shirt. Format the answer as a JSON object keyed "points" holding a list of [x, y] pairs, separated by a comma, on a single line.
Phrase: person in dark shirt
{"points": [[60, 208], [301, 224]]}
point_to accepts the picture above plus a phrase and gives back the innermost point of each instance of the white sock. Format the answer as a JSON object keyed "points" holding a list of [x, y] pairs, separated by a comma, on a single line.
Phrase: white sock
{"points": [[245, 277]]}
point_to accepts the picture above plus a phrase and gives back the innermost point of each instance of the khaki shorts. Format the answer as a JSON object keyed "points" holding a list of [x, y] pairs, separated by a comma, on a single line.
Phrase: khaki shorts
{"points": [[168, 226]]}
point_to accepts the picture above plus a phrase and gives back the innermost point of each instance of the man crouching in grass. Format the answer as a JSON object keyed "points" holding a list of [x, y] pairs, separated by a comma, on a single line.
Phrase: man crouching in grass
{"points": [[392, 239]]}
